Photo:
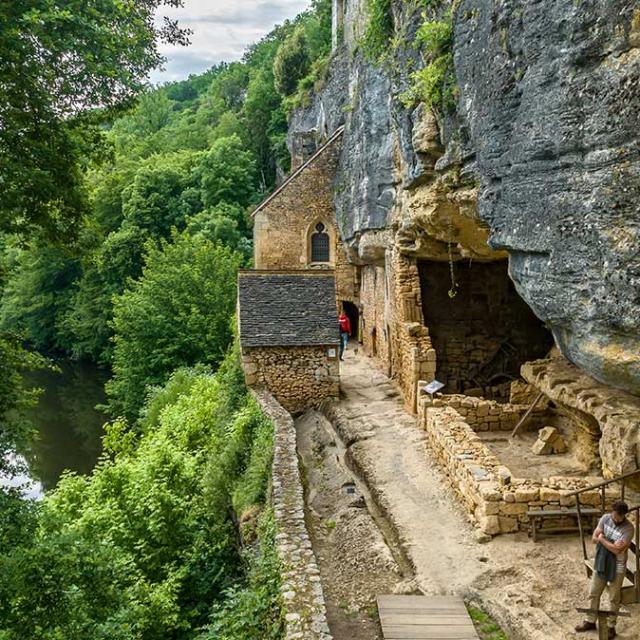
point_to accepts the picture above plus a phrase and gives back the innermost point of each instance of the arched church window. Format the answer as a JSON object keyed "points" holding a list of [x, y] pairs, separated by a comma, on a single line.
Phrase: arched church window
{"points": [[320, 249]]}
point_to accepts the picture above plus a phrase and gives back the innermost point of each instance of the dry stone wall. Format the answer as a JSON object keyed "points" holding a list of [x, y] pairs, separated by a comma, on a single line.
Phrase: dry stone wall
{"points": [[302, 595], [394, 333], [495, 501], [375, 338], [298, 377], [616, 412]]}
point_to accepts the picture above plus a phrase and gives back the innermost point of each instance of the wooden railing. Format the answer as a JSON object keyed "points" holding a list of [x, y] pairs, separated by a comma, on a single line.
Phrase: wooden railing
{"points": [[634, 513]]}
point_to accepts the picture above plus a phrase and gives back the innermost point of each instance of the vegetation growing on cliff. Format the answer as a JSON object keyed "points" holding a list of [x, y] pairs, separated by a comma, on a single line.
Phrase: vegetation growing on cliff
{"points": [[434, 84], [302, 61], [379, 29]]}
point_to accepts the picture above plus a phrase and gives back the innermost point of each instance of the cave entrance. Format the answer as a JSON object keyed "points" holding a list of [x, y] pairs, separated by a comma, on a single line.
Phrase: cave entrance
{"points": [[351, 310], [485, 333]]}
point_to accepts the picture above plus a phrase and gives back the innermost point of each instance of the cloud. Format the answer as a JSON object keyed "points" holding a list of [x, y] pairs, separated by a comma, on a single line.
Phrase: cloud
{"points": [[222, 30]]}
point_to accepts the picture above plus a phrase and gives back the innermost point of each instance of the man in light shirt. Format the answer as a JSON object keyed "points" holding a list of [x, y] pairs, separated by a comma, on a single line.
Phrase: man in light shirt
{"points": [[614, 533]]}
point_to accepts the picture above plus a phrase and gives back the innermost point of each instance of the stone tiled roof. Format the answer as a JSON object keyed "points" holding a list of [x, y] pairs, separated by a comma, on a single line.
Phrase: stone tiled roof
{"points": [[287, 308]]}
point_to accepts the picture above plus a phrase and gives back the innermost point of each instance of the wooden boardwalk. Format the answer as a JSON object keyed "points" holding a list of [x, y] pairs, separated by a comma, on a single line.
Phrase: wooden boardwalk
{"points": [[425, 618]]}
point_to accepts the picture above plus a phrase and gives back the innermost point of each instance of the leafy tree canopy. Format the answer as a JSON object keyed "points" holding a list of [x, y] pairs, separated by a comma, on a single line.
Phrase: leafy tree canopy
{"points": [[59, 63], [177, 314]]}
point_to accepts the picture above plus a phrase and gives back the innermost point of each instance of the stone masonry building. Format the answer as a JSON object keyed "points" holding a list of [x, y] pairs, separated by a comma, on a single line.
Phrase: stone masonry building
{"points": [[289, 335]]}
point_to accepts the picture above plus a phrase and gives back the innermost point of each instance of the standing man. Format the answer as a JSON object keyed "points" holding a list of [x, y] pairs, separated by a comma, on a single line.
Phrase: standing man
{"points": [[613, 535], [345, 332]]}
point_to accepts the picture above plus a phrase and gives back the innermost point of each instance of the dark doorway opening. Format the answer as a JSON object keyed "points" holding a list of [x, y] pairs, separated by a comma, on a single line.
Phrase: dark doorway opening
{"points": [[354, 318], [485, 332]]}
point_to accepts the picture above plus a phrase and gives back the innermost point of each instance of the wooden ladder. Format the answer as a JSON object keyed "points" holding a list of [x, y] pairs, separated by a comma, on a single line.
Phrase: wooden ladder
{"points": [[631, 586]]}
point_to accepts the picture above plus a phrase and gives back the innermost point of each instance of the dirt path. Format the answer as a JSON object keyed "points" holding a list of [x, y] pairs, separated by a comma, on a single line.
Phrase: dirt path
{"points": [[532, 589]]}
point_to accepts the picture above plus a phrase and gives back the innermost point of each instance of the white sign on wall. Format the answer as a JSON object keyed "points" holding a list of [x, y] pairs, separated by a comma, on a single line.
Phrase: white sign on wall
{"points": [[433, 387], [331, 353]]}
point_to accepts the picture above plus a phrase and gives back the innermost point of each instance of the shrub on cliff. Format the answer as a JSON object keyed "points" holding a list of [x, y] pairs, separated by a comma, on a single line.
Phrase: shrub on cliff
{"points": [[291, 63]]}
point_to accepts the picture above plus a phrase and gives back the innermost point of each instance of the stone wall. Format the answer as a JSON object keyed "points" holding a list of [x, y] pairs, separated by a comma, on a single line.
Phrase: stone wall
{"points": [[283, 225], [375, 338], [298, 377], [413, 357], [485, 332], [302, 595], [393, 331], [495, 501]]}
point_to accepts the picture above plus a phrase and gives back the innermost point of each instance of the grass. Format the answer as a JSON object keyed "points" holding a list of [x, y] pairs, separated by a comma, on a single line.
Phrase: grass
{"points": [[485, 625]]}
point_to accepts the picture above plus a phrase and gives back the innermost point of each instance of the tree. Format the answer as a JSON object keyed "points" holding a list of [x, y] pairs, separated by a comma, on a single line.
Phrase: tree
{"points": [[154, 200], [38, 293], [177, 314], [59, 63], [291, 63], [227, 173]]}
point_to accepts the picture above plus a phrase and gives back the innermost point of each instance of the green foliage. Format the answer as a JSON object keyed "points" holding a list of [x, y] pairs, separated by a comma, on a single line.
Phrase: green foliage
{"points": [[485, 625], [379, 29], [15, 396], [59, 61], [36, 293], [16, 515], [434, 84], [227, 173], [177, 314], [199, 152], [146, 548], [160, 195], [291, 63], [252, 610]]}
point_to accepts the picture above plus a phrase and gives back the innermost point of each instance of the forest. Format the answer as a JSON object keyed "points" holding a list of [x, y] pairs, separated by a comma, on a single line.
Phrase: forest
{"points": [[124, 218]]}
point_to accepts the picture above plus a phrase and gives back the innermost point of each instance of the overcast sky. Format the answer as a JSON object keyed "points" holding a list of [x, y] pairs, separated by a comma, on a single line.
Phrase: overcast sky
{"points": [[222, 29]]}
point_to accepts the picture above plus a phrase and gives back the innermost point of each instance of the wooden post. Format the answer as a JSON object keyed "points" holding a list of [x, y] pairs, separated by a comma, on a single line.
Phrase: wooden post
{"points": [[581, 529], [527, 414]]}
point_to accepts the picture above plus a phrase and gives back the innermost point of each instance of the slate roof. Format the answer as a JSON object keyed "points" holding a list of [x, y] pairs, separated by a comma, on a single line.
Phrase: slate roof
{"points": [[287, 309]]}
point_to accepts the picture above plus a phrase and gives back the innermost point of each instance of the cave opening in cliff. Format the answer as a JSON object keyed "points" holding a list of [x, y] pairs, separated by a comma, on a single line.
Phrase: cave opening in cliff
{"points": [[484, 333]]}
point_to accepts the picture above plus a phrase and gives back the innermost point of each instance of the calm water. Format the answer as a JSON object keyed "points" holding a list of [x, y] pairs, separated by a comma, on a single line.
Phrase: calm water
{"points": [[68, 426]]}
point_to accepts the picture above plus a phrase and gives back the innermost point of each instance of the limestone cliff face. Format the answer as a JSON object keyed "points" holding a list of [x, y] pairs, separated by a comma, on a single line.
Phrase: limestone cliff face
{"points": [[550, 93], [540, 161]]}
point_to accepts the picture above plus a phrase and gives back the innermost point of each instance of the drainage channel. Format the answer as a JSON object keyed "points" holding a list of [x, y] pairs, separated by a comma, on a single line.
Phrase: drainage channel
{"points": [[359, 486]]}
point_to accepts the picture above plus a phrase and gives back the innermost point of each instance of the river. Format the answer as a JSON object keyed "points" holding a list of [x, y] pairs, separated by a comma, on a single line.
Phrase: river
{"points": [[68, 426]]}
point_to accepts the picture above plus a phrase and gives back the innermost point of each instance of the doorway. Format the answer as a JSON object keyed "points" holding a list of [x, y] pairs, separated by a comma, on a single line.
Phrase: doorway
{"points": [[351, 311]]}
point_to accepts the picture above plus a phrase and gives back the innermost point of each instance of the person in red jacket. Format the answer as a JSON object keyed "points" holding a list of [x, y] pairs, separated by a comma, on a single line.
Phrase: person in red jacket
{"points": [[345, 332]]}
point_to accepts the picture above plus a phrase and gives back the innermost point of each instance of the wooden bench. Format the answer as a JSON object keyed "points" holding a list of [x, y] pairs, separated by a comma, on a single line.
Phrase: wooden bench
{"points": [[538, 516]]}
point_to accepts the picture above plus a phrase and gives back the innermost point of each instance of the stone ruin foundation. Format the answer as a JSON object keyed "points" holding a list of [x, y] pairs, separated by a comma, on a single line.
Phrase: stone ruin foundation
{"points": [[500, 480]]}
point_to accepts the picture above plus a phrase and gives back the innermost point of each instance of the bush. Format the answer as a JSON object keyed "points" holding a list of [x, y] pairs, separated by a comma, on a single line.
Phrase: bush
{"points": [[379, 29], [146, 547], [434, 85], [252, 609]]}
